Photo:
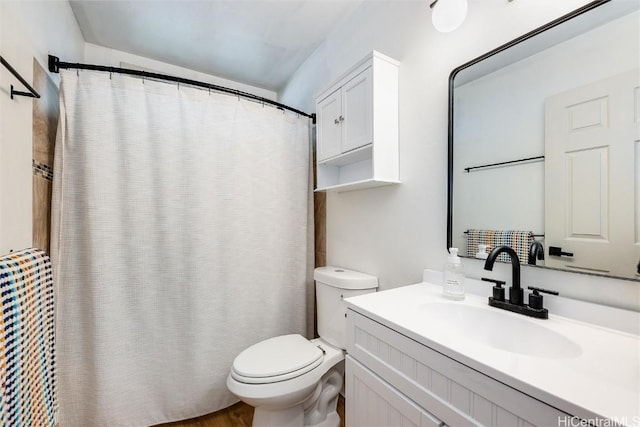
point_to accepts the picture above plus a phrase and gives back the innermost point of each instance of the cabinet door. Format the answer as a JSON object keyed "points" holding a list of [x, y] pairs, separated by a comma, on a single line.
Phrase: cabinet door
{"points": [[357, 111], [371, 402], [329, 126]]}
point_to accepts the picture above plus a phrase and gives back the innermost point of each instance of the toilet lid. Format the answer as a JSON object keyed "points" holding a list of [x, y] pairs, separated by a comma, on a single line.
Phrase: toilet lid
{"points": [[276, 359]]}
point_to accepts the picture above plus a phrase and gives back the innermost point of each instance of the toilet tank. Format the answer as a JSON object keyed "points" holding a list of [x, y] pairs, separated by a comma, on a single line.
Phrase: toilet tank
{"points": [[333, 284]]}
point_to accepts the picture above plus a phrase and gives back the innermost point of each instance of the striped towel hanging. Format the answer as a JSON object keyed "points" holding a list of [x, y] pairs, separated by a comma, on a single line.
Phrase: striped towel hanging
{"points": [[519, 241], [27, 395]]}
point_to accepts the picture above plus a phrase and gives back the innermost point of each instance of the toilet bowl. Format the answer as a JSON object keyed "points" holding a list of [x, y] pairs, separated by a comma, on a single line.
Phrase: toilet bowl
{"points": [[280, 399], [292, 381]]}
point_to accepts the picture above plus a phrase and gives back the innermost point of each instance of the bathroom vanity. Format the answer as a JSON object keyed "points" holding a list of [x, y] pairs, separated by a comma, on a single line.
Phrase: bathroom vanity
{"points": [[418, 359]]}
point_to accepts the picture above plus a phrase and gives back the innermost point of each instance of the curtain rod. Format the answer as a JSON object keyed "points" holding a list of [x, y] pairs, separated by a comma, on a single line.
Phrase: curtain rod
{"points": [[32, 92], [55, 65]]}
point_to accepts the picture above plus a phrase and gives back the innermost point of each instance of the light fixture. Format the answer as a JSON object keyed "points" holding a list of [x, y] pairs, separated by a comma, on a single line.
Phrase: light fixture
{"points": [[447, 15]]}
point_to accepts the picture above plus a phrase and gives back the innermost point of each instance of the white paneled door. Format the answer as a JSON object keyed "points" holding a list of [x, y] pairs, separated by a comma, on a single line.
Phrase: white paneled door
{"points": [[592, 156]]}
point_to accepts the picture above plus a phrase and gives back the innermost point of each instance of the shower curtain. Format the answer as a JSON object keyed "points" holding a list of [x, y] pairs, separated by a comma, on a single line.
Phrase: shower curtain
{"points": [[182, 228]]}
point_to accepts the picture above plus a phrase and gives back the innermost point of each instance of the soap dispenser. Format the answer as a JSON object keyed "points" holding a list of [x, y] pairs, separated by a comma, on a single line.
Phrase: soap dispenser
{"points": [[453, 285]]}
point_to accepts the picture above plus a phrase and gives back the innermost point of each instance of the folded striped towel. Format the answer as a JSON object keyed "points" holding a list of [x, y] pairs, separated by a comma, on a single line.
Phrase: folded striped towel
{"points": [[519, 241], [27, 394]]}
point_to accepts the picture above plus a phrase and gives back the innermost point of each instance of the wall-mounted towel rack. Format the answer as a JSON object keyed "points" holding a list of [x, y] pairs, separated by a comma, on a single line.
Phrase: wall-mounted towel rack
{"points": [[534, 235], [528, 159], [32, 92]]}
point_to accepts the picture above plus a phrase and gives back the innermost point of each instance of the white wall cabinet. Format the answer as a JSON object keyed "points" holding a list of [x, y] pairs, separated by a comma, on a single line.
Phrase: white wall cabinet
{"points": [[337, 135], [402, 371], [357, 127]]}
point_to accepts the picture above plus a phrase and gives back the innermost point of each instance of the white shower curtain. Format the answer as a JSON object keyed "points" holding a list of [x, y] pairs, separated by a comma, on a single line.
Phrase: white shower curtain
{"points": [[182, 226]]}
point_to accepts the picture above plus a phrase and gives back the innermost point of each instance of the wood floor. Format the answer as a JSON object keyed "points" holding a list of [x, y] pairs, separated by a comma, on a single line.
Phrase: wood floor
{"points": [[238, 415]]}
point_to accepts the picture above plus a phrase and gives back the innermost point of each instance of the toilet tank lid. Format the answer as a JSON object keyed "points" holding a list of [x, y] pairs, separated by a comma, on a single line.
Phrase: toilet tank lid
{"points": [[344, 279]]}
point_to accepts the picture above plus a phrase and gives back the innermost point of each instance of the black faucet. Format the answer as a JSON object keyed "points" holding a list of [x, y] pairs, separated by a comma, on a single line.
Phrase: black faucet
{"points": [[515, 291], [515, 303], [536, 251]]}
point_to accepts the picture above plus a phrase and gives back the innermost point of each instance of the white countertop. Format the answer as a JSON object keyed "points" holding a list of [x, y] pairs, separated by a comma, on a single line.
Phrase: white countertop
{"points": [[599, 378]]}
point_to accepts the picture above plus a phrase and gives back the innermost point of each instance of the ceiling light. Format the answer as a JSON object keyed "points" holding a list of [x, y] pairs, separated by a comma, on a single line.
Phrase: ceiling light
{"points": [[447, 15]]}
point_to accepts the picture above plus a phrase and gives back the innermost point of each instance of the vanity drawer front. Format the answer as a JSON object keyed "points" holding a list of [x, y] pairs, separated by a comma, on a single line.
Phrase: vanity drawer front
{"points": [[371, 402], [448, 389]]}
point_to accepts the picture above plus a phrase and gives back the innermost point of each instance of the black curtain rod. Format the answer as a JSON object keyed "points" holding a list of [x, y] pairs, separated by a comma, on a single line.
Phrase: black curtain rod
{"points": [[55, 65], [528, 159], [32, 92]]}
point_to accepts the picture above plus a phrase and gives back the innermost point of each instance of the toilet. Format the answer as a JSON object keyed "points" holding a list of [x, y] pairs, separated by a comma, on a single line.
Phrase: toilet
{"points": [[292, 381]]}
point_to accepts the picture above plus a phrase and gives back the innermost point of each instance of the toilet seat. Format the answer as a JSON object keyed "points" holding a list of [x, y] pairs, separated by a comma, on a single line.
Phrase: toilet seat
{"points": [[276, 359]]}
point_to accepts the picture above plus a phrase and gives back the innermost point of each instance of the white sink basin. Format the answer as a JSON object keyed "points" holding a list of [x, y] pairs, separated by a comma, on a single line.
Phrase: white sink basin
{"points": [[499, 329]]}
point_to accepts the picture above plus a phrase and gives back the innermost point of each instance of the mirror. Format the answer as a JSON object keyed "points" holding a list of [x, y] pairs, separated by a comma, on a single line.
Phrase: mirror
{"points": [[544, 144]]}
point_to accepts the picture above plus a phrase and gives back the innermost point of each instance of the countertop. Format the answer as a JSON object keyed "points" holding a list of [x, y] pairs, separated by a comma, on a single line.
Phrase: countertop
{"points": [[598, 379]]}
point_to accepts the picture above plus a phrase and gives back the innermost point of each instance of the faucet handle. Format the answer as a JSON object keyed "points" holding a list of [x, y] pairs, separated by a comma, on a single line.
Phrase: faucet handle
{"points": [[497, 282], [498, 290], [535, 299], [546, 291]]}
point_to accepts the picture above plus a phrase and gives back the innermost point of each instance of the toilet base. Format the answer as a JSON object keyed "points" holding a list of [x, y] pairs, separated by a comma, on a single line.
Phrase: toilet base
{"points": [[332, 420], [291, 417], [318, 410]]}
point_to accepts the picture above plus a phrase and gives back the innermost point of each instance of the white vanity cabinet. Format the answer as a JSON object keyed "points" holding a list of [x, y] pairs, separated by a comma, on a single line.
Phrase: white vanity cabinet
{"points": [[357, 127], [377, 404], [389, 376]]}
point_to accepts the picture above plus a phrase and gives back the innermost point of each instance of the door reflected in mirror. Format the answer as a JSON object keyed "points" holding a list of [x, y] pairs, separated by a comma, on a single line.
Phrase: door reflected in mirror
{"points": [[545, 145]]}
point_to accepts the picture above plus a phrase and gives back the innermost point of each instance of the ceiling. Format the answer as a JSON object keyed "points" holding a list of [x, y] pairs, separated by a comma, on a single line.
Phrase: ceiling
{"points": [[257, 42]]}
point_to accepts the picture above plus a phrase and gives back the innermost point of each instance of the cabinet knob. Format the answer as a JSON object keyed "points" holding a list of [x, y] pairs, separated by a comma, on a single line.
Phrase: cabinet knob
{"points": [[336, 121], [341, 118]]}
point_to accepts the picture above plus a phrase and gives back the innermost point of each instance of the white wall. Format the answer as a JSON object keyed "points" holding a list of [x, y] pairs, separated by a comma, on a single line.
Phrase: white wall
{"points": [[394, 232], [99, 55], [28, 29]]}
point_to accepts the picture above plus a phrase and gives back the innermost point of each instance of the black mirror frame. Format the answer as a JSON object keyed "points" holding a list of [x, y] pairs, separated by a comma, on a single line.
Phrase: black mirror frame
{"points": [[452, 76]]}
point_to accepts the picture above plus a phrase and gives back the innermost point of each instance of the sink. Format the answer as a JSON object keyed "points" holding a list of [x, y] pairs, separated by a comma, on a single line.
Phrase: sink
{"points": [[498, 329]]}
